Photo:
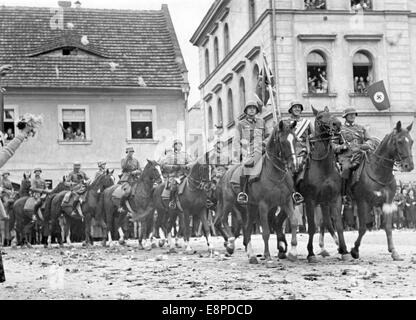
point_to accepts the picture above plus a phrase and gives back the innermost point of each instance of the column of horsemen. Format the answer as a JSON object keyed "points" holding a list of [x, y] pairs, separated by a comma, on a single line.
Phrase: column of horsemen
{"points": [[248, 145]]}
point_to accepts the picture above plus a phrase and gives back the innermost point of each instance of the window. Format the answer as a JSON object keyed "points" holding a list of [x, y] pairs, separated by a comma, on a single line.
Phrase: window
{"points": [[252, 12], [219, 114], [206, 62], [210, 123], [255, 77], [69, 51], [141, 124], [315, 4], [242, 94], [361, 4], [9, 123], [216, 53], [230, 106], [74, 123], [317, 73], [226, 40], [362, 71]]}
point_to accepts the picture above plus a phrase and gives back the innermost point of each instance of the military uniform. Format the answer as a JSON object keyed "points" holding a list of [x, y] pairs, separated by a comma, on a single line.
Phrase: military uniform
{"points": [[76, 179], [101, 169], [220, 161], [175, 166], [130, 169]]}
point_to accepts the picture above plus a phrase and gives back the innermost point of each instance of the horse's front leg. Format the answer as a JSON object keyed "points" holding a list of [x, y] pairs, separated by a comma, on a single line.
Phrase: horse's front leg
{"points": [[264, 212], [248, 230], [87, 229], [206, 226], [387, 212], [187, 230], [278, 220], [362, 207], [335, 209], [290, 210]]}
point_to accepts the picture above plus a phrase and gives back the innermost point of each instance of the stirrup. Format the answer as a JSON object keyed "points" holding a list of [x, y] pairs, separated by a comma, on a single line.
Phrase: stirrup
{"points": [[297, 198], [172, 204], [242, 198]]}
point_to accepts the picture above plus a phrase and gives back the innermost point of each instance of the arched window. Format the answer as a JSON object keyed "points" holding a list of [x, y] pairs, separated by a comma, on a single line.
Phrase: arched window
{"points": [[242, 94], [362, 66], [230, 105], [210, 123], [255, 77], [206, 62], [317, 73], [220, 121], [216, 53], [252, 12], [226, 40]]}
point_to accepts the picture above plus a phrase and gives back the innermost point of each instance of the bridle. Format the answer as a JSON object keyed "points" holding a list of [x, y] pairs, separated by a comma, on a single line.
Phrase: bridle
{"points": [[394, 161], [201, 183], [325, 131], [279, 156]]}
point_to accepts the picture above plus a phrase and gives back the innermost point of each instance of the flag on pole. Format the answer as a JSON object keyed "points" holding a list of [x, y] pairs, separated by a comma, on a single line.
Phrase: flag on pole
{"points": [[264, 81], [378, 95]]}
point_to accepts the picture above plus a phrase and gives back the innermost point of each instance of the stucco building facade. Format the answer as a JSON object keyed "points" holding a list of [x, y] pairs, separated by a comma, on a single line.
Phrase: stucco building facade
{"points": [[323, 55]]}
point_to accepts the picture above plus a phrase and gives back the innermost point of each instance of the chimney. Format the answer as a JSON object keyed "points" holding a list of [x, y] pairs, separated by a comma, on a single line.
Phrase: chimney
{"points": [[77, 4], [64, 4]]}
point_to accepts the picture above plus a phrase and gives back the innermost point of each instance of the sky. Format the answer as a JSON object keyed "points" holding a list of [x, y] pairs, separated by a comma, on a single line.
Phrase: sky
{"points": [[186, 16]]}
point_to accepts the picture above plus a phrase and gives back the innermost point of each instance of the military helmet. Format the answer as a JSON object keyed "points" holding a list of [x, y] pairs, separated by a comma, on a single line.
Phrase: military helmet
{"points": [[252, 103], [101, 163], [5, 172], [294, 103], [349, 110], [77, 164], [37, 169], [177, 141], [129, 149]]}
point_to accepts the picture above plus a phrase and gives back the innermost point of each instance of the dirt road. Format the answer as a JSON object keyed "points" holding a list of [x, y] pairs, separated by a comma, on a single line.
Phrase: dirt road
{"points": [[124, 272]]}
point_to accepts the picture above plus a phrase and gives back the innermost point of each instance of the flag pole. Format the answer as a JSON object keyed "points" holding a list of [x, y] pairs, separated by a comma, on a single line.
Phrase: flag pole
{"points": [[275, 108]]}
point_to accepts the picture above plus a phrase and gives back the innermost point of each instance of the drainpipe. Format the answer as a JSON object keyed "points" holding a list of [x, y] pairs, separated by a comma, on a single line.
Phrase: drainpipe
{"points": [[272, 5]]}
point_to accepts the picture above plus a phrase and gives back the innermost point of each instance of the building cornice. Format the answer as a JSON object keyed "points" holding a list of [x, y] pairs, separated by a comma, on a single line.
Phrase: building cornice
{"points": [[207, 97], [224, 15], [363, 37], [317, 37], [240, 65], [217, 88], [227, 77], [253, 53]]}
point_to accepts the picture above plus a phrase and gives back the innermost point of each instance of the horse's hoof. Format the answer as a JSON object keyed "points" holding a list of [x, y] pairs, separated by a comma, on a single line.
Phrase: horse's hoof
{"points": [[230, 250], [154, 245], [312, 259], [396, 257], [140, 246], [121, 242], [84, 244], [346, 257], [177, 245], [291, 257], [225, 244], [162, 243], [324, 253], [354, 253], [172, 250], [253, 260], [29, 246]]}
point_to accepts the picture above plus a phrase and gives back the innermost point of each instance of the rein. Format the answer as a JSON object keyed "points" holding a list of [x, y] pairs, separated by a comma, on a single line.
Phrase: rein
{"points": [[370, 172]]}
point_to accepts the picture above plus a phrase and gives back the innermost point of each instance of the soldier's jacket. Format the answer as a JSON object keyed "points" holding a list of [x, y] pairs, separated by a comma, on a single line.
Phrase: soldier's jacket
{"points": [[77, 177], [7, 188], [355, 136], [248, 140], [99, 173], [37, 184], [175, 163], [303, 130], [128, 166]]}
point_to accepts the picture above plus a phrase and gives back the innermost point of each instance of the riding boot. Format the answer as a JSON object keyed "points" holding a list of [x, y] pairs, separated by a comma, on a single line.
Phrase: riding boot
{"points": [[242, 197]]}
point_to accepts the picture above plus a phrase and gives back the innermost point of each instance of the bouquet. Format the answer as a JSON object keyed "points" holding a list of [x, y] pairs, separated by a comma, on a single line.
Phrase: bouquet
{"points": [[30, 120]]}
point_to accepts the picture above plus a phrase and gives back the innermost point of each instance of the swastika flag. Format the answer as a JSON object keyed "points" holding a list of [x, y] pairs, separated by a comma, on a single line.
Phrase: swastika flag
{"points": [[378, 95]]}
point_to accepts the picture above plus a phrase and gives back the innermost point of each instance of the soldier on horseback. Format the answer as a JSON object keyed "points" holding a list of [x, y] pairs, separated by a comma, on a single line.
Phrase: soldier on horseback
{"points": [[130, 168], [175, 165], [357, 142], [303, 131], [248, 146], [38, 188], [101, 169], [77, 179]]}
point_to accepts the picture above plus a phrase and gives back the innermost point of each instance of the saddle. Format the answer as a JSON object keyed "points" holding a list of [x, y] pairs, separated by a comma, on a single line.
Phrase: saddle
{"points": [[68, 200], [253, 173], [30, 204]]}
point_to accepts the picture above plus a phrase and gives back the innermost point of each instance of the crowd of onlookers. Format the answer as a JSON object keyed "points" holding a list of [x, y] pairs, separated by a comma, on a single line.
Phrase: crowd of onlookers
{"points": [[405, 199], [321, 4], [318, 83], [361, 85], [360, 4], [315, 4]]}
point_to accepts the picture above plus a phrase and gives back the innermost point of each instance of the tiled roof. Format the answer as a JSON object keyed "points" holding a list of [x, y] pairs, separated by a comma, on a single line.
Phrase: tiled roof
{"points": [[121, 46]]}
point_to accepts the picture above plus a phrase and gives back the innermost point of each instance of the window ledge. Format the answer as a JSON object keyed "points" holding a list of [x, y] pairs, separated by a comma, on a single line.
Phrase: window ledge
{"points": [[319, 95], [142, 141], [230, 124], [66, 142], [357, 94]]}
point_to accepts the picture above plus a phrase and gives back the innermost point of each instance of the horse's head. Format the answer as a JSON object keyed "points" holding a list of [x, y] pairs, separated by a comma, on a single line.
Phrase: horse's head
{"points": [[153, 172], [25, 184], [402, 144], [282, 143], [325, 123]]}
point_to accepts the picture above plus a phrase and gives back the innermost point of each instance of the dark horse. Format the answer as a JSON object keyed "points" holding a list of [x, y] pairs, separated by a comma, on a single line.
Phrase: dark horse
{"points": [[88, 207], [20, 220], [139, 202], [322, 181], [377, 185], [271, 190], [192, 202]]}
